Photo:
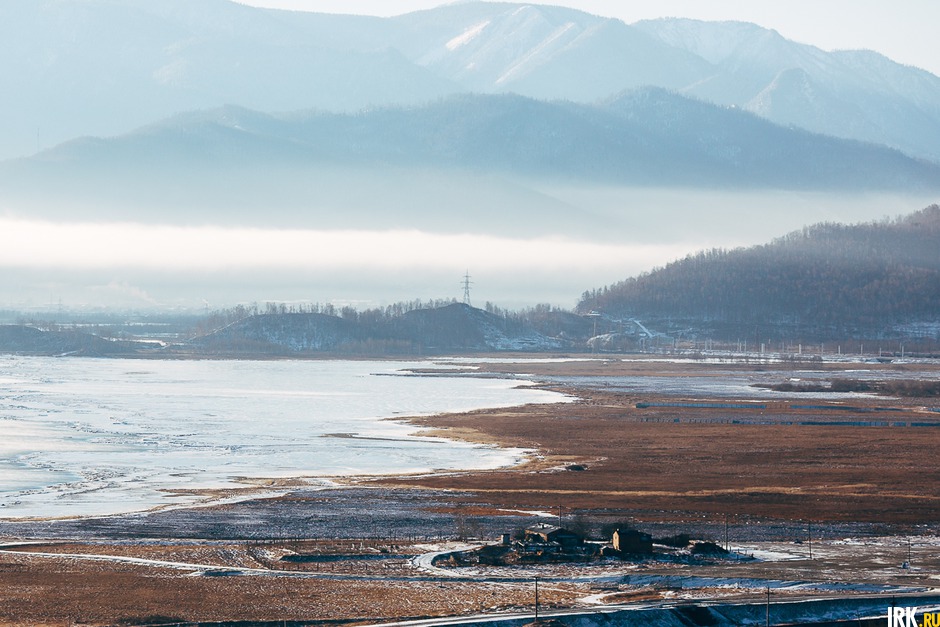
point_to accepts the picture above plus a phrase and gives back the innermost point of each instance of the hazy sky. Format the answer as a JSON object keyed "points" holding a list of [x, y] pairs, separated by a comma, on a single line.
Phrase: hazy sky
{"points": [[905, 30]]}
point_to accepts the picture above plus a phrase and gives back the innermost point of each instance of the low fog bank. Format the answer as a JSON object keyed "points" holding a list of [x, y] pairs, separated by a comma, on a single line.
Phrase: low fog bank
{"points": [[523, 243], [146, 289], [703, 218], [437, 200]]}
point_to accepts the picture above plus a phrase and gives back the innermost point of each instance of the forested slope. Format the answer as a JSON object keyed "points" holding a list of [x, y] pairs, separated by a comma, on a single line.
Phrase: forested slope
{"points": [[824, 280]]}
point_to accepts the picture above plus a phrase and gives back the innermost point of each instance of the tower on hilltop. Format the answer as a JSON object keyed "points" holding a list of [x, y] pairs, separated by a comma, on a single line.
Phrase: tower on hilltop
{"points": [[466, 288]]}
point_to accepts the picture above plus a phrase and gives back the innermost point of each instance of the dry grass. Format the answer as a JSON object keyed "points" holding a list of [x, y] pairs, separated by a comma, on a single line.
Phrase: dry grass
{"points": [[643, 459], [44, 591]]}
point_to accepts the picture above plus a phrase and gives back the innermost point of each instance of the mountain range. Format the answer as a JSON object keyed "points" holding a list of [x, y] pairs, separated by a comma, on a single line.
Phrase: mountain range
{"points": [[105, 67], [645, 136]]}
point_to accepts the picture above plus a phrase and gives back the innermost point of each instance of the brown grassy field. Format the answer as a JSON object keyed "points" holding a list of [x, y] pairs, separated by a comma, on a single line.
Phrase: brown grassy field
{"points": [[777, 462], [57, 592]]}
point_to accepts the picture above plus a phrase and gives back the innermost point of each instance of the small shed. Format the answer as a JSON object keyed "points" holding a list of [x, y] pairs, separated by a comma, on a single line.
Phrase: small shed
{"points": [[632, 541]]}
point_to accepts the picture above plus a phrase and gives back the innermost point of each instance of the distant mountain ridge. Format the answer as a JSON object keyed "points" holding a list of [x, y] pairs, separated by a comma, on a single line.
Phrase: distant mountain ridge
{"points": [[82, 67], [646, 136], [847, 93]]}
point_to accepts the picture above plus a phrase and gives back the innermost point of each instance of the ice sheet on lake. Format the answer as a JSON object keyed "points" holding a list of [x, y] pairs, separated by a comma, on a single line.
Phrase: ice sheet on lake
{"points": [[97, 436]]}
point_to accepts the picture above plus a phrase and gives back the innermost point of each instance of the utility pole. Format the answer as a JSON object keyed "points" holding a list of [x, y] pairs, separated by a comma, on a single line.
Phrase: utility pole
{"points": [[809, 533], [768, 606], [536, 599], [466, 288]]}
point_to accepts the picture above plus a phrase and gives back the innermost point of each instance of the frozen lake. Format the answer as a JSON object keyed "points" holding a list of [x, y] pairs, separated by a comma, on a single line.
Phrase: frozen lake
{"points": [[82, 437]]}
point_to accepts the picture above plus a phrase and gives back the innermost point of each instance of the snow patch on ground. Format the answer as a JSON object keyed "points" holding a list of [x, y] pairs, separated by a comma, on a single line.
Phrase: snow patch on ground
{"points": [[467, 36], [537, 53]]}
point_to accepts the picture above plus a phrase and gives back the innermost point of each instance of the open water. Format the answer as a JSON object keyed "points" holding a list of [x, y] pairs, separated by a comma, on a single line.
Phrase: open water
{"points": [[82, 437]]}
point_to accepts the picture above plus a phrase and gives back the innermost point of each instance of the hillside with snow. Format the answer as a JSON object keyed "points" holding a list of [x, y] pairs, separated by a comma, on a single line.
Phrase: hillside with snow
{"points": [[854, 93], [80, 67], [455, 327]]}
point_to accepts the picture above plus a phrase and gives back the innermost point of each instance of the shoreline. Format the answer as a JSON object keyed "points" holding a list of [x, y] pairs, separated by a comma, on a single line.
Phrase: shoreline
{"points": [[599, 408], [570, 471], [575, 474]]}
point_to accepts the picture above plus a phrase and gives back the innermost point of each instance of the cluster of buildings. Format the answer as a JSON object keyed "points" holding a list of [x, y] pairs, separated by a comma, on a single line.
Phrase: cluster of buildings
{"points": [[549, 543]]}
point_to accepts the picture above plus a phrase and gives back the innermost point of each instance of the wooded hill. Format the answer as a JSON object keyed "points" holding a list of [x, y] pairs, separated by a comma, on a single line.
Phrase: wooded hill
{"points": [[413, 328], [828, 281], [452, 327]]}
